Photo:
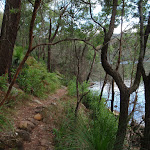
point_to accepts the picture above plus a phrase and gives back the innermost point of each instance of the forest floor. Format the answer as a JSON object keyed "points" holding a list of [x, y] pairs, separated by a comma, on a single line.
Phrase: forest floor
{"points": [[40, 118]]}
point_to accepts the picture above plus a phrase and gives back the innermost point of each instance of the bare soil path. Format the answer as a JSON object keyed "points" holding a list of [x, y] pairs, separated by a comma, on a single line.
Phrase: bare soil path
{"points": [[37, 117]]}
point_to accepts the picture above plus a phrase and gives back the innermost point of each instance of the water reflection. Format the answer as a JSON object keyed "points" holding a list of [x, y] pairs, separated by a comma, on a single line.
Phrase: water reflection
{"points": [[140, 106]]}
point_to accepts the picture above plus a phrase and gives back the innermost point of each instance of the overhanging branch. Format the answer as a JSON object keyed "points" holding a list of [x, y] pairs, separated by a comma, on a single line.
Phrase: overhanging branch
{"points": [[64, 40]]}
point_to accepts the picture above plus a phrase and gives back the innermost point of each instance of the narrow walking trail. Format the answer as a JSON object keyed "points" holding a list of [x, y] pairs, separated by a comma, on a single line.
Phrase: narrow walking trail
{"points": [[38, 119]]}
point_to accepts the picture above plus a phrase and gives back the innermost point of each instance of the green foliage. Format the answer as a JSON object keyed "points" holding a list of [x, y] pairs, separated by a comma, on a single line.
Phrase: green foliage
{"points": [[83, 87], [34, 79], [5, 123], [17, 55], [106, 124], [14, 11], [74, 133], [3, 82], [96, 133]]}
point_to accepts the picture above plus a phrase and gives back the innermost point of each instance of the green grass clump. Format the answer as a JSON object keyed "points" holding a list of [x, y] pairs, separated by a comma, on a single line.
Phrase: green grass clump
{"points": [[104, 126], [74, 133], [5, 123], [88, 133], [34, 79], [3, 82]]}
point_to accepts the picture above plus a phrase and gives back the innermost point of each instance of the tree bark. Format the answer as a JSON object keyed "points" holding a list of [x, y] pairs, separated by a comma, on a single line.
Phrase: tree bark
{"points": [[49, 65], [146, 139], [113, 96], [9, 33], [49, 48], [124, 90], [123, 119], [91, 68], [102, 89], [145, 142]]}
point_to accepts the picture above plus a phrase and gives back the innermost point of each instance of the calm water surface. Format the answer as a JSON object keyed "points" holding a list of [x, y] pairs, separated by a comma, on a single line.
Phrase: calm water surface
{"points": [[140, 106]]}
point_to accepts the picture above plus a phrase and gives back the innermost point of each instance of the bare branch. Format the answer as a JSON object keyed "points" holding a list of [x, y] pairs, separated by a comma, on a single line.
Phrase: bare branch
{"points": [[58, 24], [142, 52], [89, 3], [75, 39], [95, 20]]}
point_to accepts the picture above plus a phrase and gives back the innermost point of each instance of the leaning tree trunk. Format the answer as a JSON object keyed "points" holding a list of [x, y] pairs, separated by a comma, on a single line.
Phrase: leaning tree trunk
{"points": [[123, 119], [146, 138], [9, 33]]}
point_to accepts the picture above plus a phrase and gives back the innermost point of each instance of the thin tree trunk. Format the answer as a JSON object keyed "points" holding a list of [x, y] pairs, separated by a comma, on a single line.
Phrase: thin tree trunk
{"points": [[49, 59], [119, 57], [77, 82], [49, 48], [91, 68], [102, 89], [113, 96]]}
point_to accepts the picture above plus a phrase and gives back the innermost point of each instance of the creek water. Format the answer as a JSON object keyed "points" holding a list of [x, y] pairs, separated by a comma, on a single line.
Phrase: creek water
{"points": [[140, 105]]}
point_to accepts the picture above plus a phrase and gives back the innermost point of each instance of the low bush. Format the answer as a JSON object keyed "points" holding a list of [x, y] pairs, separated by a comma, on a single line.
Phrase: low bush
{"points": [[34, 79]]}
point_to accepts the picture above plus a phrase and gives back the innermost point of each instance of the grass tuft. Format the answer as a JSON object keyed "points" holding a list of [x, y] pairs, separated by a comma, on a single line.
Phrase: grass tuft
{"points": [[87, 133]]}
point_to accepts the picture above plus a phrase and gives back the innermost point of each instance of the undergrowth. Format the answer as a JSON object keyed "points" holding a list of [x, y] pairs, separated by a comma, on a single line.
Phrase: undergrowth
{"points": [[87, 132], [3, 82], [34, 79], [83, 87], [5, 123]]}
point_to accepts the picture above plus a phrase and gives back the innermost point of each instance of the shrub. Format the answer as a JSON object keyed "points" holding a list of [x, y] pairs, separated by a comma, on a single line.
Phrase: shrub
{"points": [[34, 79]]}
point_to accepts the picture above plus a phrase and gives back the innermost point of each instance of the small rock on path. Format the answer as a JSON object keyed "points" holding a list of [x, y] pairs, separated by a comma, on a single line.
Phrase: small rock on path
{"points": [[29, 118]]}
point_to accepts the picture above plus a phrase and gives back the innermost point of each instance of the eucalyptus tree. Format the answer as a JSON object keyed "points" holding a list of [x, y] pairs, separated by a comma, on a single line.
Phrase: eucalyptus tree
{"points": [[112, 10], [145, 144], [8, 36]]}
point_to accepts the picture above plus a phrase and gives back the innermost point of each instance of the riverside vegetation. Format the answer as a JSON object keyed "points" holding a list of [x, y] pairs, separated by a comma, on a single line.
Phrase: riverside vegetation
{"points": [[94, 128], [52, 43]]}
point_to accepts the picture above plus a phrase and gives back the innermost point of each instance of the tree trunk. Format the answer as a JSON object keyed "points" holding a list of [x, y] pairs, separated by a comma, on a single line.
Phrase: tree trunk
{"points": [[123, 119], [49, 59], [91, 68], [102, 89], [49, 48], [113, 96], [30, 49], [9, 33], [146, 138]]}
